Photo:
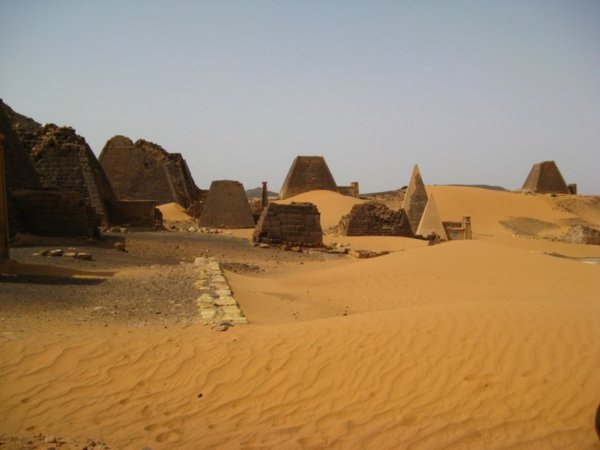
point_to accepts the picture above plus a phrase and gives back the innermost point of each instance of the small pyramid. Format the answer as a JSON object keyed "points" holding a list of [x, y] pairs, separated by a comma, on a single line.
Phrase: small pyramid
{"points": [[307, 173], [431, 221], [545, 178], [226, 206], [415, 199]]}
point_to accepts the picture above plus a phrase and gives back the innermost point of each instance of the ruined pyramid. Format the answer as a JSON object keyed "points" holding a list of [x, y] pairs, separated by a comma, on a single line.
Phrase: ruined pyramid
{"points": [[415, 199], [226, 206]]}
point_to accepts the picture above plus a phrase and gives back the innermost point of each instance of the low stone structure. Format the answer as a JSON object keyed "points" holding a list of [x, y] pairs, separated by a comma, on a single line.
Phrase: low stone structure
{"points": [[582, 234], [146, 171], [135, 213], [545, 178], [216, 303], [374, 219], [298, 224], [415, 199], [458, 230], [226, 206]]}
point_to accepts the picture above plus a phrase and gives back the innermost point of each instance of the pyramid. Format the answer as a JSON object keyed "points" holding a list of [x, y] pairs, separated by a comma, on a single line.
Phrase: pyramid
{"points": [[146, 171], [226, 206], [545, 178], [431, 221], [415, 199], [308, 173]]}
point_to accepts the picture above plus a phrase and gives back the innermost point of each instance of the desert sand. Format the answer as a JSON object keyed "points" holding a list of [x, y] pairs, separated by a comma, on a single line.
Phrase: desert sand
{"points": [[490, 343]]}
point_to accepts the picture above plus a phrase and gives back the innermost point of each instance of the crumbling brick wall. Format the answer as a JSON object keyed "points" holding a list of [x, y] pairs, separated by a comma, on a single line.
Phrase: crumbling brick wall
{"points": [[146, 171], [52, 213], [298, 224], [374, 219], [135, 213]]}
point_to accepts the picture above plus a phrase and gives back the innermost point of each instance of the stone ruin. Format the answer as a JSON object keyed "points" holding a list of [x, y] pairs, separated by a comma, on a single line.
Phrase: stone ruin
{"points": [[582, 234], [59, 186], [146, 171], [545, 178], [311, 173], [31, 207], [226, 206], [374, 219], [298, 224], [415, 199]]}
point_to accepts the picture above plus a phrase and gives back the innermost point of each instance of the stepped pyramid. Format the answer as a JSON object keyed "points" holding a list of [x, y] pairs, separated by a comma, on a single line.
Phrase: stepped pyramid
{"points": [[308, 173], [431, 222], [545, 178], [415, 199], [226, 206]]}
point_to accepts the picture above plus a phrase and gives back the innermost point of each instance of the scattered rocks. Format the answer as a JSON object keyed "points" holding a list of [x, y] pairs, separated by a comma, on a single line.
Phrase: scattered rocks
{"points": [[71, 253], [582, 234], [363, 254], [119, 246]]}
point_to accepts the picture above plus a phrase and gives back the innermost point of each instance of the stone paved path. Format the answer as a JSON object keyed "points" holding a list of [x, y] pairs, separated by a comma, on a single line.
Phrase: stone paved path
{"points": [[216, 303]]}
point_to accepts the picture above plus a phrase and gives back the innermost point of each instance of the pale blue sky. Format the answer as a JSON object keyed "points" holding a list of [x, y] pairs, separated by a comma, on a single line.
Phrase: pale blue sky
{"points": [[472, 91]]}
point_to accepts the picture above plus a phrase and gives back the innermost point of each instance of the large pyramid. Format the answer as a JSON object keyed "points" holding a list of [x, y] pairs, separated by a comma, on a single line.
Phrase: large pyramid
{"points": [[226, 206], [545, 178], [146, 171], [431, 221], [415, 199], [308, 173]]}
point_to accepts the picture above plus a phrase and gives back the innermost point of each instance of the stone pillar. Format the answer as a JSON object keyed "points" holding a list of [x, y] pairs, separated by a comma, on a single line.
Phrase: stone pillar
{"points": [[354, 186], [4, 236], [466, 223], [264, 199]]}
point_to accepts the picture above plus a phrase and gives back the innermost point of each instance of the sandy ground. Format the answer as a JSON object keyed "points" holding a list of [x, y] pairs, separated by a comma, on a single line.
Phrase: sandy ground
{"points": [[490, 343]]}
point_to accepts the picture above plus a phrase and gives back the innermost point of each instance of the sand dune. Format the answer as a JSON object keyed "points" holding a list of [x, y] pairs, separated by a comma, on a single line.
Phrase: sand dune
{"points": [[174, 212], [477, 344]]}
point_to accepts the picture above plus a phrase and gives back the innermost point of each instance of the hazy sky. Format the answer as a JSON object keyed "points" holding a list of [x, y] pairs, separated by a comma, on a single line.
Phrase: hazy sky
{"points": [[472, 91]]}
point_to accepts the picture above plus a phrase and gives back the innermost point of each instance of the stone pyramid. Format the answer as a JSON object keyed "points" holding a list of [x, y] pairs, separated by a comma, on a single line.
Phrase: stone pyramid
{"points": [[415, 199], [226, 206], [308, 173], [545, 178], [145, 171], [431, 221]]}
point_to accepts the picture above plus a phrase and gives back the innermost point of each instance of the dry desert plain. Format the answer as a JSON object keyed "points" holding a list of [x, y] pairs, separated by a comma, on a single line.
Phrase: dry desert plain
{"points": [[485, 344]]}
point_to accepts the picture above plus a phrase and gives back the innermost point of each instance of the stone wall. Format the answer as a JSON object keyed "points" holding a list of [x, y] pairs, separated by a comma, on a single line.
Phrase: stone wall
{"points": [[226, 206], [298, 224], [545, 178], [135, 213], [146, 171], [50, 213], [308, 173], [374, 219]]}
